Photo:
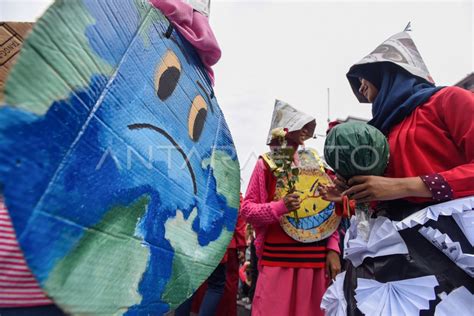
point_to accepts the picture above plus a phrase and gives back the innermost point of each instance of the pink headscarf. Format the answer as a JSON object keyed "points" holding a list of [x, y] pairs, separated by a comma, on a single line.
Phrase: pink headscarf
{"points": [[195, 27]]}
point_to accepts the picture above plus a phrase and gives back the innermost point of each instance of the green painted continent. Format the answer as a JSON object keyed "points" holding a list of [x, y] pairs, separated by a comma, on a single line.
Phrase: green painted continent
{"points": [[102, 273]]}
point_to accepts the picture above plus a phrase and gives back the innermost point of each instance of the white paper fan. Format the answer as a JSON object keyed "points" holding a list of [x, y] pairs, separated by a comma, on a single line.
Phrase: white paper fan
{"points": [[434, 211], [449, 248], [459, 302], [405, 297], [384, 240], [465, 221], [334, 303]]}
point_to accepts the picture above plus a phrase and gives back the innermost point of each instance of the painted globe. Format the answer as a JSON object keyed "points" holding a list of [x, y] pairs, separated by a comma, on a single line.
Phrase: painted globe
{"points": [[116, 163]]}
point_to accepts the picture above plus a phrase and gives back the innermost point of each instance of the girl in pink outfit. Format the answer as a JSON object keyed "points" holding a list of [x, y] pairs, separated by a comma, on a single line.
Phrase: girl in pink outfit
{"points": [[293, 275]]}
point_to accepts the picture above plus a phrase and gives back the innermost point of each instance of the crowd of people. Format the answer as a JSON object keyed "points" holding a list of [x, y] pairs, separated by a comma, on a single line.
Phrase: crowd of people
{"points": [[288, 247], [430, 134]]}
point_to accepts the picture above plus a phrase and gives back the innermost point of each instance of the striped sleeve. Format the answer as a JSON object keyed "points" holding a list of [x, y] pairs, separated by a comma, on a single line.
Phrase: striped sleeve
{"points": [[18, 287]]}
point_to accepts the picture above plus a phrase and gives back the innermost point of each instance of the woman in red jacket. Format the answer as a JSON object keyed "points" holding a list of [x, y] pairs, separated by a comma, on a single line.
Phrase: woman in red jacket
{"points": [[430, 131]]}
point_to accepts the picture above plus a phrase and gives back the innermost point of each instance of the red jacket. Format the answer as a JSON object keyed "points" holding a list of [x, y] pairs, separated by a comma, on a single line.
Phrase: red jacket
{"points": [[436, 142], [238, 240]]}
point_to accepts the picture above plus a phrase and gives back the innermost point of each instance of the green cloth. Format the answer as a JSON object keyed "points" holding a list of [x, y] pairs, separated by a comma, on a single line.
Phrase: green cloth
{"points": [[353, 149]]}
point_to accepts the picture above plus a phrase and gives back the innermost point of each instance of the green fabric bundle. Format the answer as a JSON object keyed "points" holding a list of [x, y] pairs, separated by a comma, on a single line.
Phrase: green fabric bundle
{"points": [[353, 149]]}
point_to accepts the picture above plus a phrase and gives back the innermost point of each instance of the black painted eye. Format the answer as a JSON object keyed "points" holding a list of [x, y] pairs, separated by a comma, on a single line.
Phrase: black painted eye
{"points": [[197, 117], [167, 75]]}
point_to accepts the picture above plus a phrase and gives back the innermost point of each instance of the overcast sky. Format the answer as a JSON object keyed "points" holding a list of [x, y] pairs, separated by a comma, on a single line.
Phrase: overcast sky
{"points": [[296, 50]]}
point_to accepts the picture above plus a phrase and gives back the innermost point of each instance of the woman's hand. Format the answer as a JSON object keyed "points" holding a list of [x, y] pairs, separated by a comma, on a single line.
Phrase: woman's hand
{"points": [[330, 193], [333, 264], [292, 202], [372, 188]]}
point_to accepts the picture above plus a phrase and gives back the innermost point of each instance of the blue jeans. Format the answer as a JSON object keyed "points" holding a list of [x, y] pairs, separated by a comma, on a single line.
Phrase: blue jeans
{"points": [[215, 289]]}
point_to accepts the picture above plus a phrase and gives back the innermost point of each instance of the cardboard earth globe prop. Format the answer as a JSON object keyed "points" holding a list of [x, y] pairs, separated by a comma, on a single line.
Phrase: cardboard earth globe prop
{"points": [[354, 148], [116, 163]]}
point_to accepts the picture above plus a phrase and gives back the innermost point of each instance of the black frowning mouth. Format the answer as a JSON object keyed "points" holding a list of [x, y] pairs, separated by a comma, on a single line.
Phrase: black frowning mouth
{"points": [[171, 140]]}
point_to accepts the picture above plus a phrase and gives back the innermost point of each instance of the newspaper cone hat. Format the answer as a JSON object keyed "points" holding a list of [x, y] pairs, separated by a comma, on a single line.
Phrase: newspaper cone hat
{"points": [[399, 50], [286, 116], [203, 6]]}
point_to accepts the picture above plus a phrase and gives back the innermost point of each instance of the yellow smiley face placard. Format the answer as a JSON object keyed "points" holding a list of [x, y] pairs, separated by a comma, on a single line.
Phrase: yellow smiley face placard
{"points": [[317, 217]]}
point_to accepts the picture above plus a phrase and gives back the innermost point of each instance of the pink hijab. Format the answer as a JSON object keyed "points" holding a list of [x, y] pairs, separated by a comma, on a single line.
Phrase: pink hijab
{"points": [[195, 27]]}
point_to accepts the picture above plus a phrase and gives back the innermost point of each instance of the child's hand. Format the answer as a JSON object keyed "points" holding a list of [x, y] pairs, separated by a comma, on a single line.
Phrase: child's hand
{"points": [[341, 183], [330, 193], [292, 202], [333, 265]]}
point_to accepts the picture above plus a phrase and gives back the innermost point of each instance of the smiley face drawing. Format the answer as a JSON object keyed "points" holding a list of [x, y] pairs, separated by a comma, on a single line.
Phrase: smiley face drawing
{"points": [[116, 164], [317, 218]]}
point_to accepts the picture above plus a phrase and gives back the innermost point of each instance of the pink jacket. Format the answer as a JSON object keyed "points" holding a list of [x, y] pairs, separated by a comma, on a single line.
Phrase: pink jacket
{"points": [[261, 213]]}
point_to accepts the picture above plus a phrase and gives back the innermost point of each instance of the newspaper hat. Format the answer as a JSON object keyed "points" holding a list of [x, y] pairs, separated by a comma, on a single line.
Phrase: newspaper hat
{"points": [[399, 50], [203, 6], [286, 116]]}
